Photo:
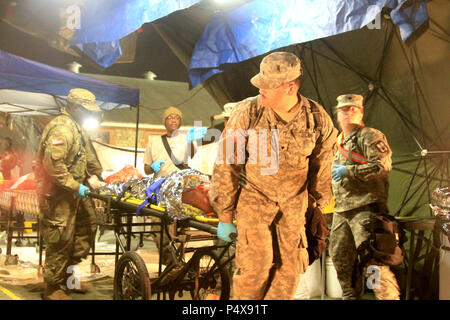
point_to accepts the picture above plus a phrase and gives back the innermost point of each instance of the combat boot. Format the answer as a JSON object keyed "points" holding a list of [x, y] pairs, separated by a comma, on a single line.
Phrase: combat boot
{"points": [[55, 293]]}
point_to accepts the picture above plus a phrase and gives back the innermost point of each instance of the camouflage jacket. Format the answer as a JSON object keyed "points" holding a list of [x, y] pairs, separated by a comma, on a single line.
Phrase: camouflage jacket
{"points": [[366, 180], [283, 162], [66, 156]]}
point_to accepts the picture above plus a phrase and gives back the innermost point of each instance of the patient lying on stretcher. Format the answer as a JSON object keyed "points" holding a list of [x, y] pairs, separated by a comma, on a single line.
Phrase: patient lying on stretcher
{"points": [[182, 194]]}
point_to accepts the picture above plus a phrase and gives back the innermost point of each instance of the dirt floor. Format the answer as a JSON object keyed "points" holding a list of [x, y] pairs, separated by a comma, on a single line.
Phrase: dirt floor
{"points": [[21, 277]]}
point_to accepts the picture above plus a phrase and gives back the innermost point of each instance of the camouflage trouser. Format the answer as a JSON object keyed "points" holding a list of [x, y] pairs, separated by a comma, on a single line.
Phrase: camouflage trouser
{"points": [[69, 241], [269, 261], [349, 230]]}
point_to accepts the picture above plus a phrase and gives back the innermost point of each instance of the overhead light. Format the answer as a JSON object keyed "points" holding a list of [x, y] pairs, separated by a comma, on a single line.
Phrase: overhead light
{"points": [[150, 75], [74, 67], [90, 123]]}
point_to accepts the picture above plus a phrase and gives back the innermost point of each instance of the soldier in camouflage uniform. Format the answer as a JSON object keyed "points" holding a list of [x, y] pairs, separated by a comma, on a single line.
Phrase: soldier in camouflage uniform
{"points": [[66, 160], [298, 136], [360, 186]]}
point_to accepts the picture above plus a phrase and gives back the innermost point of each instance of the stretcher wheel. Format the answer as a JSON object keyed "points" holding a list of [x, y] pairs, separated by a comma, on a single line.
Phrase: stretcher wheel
{"points": [[131, 279], [212, 280]]}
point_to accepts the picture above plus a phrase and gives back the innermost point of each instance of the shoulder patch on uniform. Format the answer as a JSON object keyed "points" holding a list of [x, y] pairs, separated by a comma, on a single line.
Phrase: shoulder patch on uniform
{"points": [[57, 141], [381, 146]]}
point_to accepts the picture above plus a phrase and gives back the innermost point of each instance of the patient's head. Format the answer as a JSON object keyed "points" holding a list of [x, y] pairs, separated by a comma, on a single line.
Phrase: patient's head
{"points": [[198, 197]]}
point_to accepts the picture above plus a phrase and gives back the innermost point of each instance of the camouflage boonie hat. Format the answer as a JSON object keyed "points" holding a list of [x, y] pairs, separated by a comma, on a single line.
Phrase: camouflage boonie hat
{"points": [[349, 100], [84, 98], [277, 68]]}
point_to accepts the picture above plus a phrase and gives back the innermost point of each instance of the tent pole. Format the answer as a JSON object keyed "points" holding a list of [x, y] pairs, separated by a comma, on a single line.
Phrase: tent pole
{"points": [[137, 137], [408, 189], [428, 184]]}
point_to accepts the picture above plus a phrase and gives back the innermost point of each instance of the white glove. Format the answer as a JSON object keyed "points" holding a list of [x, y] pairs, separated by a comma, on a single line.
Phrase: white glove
{"points": [[95, 183]]}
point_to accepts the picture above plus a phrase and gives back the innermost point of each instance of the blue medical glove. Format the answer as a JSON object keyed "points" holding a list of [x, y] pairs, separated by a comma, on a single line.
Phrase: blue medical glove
{"points": [[156, 166], [225, 229], [338, 172], [83, 191], [196, 133]]}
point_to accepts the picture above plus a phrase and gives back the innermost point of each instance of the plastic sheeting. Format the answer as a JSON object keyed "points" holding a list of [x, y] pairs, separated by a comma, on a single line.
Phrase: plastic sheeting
{"points": [[18, 74], [261, 26], [104, 22], [113, 159]]}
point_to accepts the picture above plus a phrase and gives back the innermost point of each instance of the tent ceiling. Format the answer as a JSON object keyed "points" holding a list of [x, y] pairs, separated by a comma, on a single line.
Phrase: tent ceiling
{"points": [[156, 96], [31, 88], [405, 89], [27, 103]]}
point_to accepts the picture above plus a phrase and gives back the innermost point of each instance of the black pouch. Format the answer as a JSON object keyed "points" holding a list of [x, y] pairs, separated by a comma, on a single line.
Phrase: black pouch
{"points": [[317, 233], [387, 239]]}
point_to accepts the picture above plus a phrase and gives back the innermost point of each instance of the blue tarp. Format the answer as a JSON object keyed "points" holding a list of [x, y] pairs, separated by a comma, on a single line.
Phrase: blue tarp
{"points": [[105, 22], [20, 74], [261, 26]]}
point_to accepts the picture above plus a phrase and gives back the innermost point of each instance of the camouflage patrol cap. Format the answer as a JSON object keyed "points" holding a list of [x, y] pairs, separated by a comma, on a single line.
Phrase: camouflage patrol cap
{"points": [[277, 68], [84, 98], [349, 100]]}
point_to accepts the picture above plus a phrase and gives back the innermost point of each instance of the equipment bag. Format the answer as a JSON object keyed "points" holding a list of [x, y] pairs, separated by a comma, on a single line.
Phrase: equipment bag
{"points": [[317, 233], [387, 239]]}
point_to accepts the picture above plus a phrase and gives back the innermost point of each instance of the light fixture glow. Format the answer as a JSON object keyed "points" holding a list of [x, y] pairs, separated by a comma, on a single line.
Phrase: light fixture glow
{"points": [[90, 123]]}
